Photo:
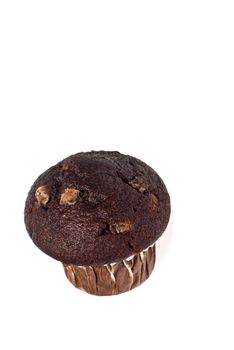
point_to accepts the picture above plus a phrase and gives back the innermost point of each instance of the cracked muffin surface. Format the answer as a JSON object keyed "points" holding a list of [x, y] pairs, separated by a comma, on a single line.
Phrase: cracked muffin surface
{"points": [[96, 207]]}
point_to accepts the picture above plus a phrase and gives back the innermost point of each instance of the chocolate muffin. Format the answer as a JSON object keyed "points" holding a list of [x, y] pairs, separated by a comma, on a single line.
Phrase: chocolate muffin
{"points": [[99, 213]]}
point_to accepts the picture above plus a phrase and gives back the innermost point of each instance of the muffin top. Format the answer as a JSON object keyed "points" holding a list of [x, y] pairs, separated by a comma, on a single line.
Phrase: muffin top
{"points": [[95, 208]]}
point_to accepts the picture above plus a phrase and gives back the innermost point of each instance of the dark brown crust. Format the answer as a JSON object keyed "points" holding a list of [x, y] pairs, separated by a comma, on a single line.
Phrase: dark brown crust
{"points": [[121, 207]]}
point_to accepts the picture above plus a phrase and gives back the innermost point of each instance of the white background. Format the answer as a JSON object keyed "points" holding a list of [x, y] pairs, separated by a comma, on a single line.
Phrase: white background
{"points": [[153, 79]]}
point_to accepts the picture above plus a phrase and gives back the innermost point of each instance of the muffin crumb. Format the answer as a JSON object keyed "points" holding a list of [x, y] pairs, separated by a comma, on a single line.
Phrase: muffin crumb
{"points": [[42, 195], [121, 227], [69, 196]]}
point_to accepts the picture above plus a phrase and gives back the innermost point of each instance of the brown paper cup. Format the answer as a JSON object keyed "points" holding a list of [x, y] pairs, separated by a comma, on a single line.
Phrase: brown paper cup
{"points": [[115, 278]]}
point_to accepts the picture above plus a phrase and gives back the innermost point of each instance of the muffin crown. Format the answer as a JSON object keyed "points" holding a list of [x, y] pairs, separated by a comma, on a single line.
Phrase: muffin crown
{"points": [[96, 208]]}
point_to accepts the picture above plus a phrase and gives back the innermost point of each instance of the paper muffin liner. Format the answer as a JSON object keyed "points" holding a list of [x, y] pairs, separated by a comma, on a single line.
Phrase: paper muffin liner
{"points": [[114, 278]]}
